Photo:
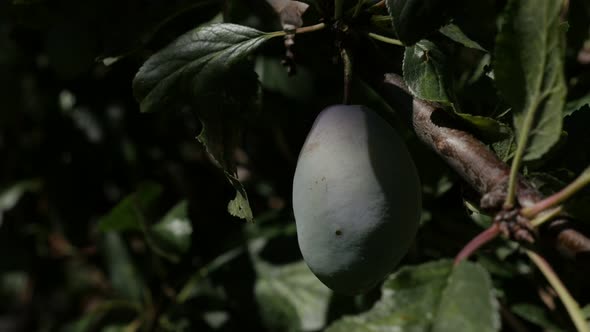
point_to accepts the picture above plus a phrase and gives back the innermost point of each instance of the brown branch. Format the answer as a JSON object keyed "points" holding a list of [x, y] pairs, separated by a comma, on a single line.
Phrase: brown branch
{"points": [[476, 163]]}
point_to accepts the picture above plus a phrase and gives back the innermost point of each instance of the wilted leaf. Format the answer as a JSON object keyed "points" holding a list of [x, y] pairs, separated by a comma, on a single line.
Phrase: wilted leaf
{"points": [[416, 19], [291, 298], [128, 213], [125, 279], [529, 72], [454, 32], [174, 231], [431, 297]]}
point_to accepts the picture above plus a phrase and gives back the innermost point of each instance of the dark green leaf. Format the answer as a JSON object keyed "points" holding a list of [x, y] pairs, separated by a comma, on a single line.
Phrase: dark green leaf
{"points": [[529, 72], [487, 128], [505, 148], [468, 302], [425, 72], [416, 19], [125, 279], [174, 231], [85, 323], [128, 213], [536, 315], [201, 69], [431, 297], [577, 105], [291, 298], [192, 61], [454, 32]]}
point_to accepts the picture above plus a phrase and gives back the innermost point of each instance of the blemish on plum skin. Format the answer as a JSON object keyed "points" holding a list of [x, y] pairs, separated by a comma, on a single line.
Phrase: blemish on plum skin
{"points": [[338, 232], [310, 147]]}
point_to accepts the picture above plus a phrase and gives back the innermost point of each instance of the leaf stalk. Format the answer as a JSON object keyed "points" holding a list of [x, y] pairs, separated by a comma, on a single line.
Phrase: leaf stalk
{"points": [[572, 307], [566, 193]]}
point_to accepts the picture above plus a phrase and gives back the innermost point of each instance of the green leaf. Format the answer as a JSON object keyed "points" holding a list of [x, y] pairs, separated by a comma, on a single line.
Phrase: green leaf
{"points": [[192, 61], [83, 324], [200, 69], [128, 213], [577, 105], [174, 231], [455, 33], [489, 129], [416, 19], [425, 72], [468, 302], [125, 279], [529, 72], [431, 297], [536, 315], [505, 148], [291, 298]]}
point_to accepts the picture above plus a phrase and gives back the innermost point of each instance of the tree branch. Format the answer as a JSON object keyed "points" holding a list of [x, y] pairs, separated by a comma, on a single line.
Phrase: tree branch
{"points": [[476, 163]]}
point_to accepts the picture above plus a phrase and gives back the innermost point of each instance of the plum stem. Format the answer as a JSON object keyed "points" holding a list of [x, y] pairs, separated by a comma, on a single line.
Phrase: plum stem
{"points": [[347, 60]]}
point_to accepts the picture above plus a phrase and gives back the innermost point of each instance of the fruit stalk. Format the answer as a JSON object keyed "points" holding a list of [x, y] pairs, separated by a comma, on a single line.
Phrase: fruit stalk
{"points": [[475, 163]]}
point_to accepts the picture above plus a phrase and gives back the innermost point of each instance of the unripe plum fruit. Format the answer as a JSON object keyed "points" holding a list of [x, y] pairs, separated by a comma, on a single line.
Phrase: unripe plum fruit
{"points": [[356, 198]]}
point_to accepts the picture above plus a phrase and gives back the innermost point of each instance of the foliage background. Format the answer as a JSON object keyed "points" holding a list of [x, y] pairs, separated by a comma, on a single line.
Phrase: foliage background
{"points": [[87, 179]]}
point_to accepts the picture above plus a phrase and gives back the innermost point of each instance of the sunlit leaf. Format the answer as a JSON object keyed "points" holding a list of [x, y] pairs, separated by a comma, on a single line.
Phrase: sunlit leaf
{"points": [[431, 297], [291, 298]]}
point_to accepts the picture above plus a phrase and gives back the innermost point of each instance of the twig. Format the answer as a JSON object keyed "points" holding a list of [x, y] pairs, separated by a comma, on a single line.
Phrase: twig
{"points": [[477, 242], [474, 162]]}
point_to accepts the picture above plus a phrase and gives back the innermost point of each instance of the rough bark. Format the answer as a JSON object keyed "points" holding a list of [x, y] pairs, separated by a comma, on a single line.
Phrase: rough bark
{"points": [[476, 163]]}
